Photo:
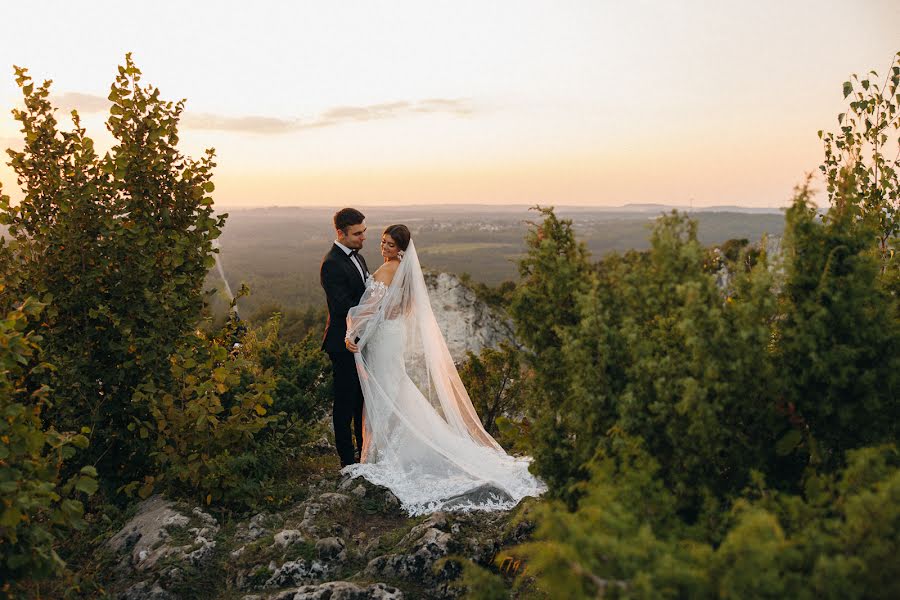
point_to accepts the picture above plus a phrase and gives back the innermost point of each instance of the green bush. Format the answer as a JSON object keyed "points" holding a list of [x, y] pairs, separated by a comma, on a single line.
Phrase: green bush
{"points": [[206, 414], [499, 386], [654, 349], [37, 506], [118, 247], [554, 274], [626, 540], [838, 347], [734, 442], [232, 413]]}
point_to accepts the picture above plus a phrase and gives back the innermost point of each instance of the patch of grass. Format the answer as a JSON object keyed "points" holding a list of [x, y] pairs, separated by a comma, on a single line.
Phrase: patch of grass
{"points": [[305, 550]]}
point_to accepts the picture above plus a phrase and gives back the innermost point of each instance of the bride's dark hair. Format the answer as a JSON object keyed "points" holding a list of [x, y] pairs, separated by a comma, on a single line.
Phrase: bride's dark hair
{"points": [[400, 234]]}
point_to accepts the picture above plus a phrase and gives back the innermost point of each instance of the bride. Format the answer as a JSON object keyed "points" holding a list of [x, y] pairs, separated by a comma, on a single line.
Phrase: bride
{"points": [[422, 438]]}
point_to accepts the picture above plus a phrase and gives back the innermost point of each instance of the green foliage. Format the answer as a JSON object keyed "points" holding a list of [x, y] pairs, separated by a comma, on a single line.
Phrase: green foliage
{"points": [[671, 401], [118, 246], [625, 539], [498, 296], [655, 350], [294, 324], [233, 409], [37, 506], [206, 412], [497, 383], [693, 378], [475, 581], [611, 544], [839, 336], [769, 373], [302, 371], [553, 275], [862, 151]]}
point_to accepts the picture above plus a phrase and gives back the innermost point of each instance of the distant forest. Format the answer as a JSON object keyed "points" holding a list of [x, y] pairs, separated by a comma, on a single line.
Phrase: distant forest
{"points": [[277, 251]]}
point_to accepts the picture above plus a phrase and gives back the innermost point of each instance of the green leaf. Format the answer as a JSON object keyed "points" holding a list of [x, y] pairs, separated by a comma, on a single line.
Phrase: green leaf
{"points": [[145, 490], [10, 517], [88, 485], [848, 88], [788, 442]]}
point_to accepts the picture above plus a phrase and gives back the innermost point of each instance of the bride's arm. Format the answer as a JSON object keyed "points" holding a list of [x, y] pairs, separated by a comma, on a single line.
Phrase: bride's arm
{"points": [[362, 318]]}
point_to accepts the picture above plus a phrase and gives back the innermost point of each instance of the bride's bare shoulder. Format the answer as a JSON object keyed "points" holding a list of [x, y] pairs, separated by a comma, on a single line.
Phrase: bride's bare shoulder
{"points": [[385, 273]]}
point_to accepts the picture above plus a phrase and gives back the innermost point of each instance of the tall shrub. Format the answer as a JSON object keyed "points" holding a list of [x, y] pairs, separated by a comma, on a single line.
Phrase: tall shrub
{"points": [[118, 247]]}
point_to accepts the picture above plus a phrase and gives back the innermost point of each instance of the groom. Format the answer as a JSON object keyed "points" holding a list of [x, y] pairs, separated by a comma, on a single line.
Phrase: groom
{"points": [[343, 275]]}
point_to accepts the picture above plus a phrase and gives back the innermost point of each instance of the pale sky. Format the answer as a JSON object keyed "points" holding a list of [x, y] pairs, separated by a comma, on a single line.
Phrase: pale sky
{"points": [[520, 102]]}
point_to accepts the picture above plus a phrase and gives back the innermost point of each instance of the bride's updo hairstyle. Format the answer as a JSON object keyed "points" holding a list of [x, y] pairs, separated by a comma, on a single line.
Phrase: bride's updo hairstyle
{"points": [[400, 234]]}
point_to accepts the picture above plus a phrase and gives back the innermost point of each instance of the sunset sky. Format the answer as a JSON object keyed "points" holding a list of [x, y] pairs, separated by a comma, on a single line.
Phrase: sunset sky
{"points": [[417, 102]]}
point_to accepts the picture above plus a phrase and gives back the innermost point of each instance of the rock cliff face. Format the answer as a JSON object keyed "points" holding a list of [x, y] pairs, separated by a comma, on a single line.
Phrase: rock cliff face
{"points": [[468, 324]]}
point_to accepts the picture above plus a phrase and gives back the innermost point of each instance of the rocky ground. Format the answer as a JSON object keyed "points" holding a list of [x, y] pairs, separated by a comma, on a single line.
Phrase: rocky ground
{"points": [[347, 540]]}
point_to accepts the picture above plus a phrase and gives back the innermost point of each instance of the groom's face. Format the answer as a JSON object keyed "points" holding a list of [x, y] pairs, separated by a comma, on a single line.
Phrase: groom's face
{"points": [[354, 236]]}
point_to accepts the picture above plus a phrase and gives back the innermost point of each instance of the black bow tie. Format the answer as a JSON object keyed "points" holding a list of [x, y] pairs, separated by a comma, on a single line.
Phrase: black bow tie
{"points": [[353, 253]]}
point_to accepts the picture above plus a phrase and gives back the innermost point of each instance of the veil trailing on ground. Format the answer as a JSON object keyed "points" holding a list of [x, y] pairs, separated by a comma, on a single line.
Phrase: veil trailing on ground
{"points": [[422, 436]]}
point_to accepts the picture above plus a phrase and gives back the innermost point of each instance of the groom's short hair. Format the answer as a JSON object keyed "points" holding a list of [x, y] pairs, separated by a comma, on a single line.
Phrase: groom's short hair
{"points": [[346, 217]]}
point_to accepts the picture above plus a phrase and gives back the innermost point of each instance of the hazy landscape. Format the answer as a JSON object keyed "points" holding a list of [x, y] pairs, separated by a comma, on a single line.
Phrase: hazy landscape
{"points": [[277, 251]]}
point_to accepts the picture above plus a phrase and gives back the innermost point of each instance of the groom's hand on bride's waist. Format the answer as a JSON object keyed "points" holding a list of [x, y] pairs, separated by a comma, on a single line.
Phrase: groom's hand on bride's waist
{"points": [[352, 347]]}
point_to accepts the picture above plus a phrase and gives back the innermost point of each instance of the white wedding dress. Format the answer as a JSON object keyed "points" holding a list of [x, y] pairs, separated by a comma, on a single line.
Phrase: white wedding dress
{"points": [[422, 438]]}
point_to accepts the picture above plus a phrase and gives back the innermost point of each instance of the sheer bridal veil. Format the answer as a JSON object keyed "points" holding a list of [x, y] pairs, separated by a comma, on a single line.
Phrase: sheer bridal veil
{"points": [[422, 436]]}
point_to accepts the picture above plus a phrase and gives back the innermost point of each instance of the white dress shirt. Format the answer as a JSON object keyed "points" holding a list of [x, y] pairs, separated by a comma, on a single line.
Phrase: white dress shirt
{"points": [[353, 258]]}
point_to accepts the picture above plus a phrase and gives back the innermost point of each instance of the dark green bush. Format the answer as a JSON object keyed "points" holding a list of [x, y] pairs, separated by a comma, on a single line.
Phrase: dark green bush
{"points": [[37, 506], [118, 247]]}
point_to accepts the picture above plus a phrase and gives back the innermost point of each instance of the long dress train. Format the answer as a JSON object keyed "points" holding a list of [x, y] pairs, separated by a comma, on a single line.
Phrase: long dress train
{"points": [[422, 437]]}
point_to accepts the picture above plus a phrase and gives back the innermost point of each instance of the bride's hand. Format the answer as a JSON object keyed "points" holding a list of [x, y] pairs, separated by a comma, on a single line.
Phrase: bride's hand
{"points": [[351, 346]]}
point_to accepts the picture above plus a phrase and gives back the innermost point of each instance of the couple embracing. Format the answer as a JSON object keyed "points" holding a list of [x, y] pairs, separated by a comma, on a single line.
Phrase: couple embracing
{"points": [[415, 428]]}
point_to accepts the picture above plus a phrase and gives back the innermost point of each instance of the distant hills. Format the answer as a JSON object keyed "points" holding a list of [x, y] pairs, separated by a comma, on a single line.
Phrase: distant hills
{"points": [[277, 250]]}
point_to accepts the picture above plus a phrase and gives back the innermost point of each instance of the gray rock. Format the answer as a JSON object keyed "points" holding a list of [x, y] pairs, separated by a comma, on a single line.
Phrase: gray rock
{"points": [[145, 538], [331, 549], [429, 544], [254, 529], [436, 520], [288, 537], [332, 499], [321, 446], [296, 572], [468, 324], [391, 501], [308, 524], [359, 491], [145, 590], [341, 590]]}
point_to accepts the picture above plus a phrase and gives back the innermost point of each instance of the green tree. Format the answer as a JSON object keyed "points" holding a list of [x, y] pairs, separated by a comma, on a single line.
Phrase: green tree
{"points": [[839, 338], [118, 246], [553, 273], [37, 504], [626, 540], [498, 385], [865, 150]]}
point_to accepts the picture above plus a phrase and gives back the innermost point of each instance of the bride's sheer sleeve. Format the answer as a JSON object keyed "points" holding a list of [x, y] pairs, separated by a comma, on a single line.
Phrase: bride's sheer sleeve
{"points": [[363, 318]]}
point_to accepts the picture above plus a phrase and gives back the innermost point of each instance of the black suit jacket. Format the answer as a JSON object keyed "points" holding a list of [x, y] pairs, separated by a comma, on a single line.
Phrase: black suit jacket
{"points": [[343, 290]]}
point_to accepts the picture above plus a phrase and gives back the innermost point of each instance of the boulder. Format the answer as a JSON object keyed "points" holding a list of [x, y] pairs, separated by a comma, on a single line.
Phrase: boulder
{"points": [[288, 537], [341, 590], [147, 537]]}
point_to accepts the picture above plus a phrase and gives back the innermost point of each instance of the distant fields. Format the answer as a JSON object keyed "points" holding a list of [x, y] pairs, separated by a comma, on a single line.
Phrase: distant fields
{"points": [[277, 251]]}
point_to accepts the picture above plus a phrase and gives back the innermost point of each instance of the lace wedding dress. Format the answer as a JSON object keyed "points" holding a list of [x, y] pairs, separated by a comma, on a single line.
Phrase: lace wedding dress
{"points": [[422, 438]]}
